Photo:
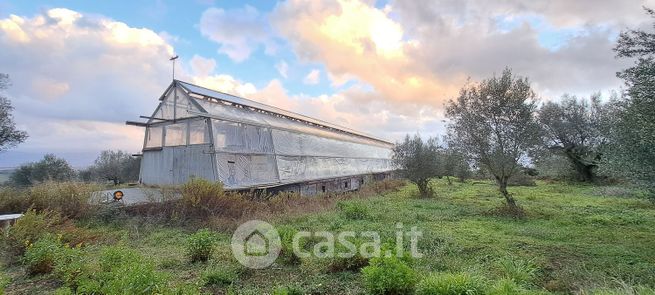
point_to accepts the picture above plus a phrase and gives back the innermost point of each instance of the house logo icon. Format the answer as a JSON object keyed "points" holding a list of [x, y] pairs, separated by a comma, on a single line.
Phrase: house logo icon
{"points": [[256, 244]]}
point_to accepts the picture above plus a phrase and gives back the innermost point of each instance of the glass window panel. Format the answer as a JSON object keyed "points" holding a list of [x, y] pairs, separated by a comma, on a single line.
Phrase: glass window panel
{"points": [[198, 132], [176, 134], [153, 137]]}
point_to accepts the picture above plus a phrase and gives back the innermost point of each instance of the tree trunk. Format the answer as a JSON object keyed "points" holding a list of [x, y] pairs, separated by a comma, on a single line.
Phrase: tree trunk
{"points": [[423, 188], [502, 186], [584, 170]]}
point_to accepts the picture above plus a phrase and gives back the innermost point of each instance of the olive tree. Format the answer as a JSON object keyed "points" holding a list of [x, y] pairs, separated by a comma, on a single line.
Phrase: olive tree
{"points": [[418, 161], [50, 168], [494, 123], [632, 132], [9, 135], [116, 166], [573, 129]]}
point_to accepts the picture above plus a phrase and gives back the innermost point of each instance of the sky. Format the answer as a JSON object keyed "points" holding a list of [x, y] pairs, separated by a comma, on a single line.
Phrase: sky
{"points": [[80, 69]]}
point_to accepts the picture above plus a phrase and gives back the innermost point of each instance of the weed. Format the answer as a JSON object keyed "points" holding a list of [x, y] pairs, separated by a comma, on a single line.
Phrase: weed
{"points": [[450, 284], [200, 245], [389, 275], [220, 276], [520, 271], [288, 290], [353, 210], [39, 257]]}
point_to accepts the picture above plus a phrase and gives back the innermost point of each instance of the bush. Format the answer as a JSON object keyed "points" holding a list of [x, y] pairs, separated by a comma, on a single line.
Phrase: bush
{"points": [[200, 245], [353, 210], [450, 284], [40, 257], [389, 275], [29, 228], [202, 198]]}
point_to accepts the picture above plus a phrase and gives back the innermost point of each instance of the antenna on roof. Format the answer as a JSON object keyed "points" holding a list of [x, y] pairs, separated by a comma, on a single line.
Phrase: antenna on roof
{"points": [[173, 60]]}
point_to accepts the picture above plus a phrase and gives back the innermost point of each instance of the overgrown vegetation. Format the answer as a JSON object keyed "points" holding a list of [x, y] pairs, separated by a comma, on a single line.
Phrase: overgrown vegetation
{"points": [[573, 239]]}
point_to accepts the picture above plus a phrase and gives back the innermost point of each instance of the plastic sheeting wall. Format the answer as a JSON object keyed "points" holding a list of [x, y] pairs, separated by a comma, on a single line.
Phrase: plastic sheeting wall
{"points": [[248, 155], [175, 165]]}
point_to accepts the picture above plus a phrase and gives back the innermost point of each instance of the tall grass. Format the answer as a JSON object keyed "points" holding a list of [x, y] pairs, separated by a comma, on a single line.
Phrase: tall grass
{"points": [[70, 199]]}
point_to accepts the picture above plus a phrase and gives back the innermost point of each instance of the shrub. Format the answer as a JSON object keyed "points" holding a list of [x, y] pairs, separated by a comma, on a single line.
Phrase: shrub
{"points": [[40, 256], [29, 228], [450, 284], [353, 210], [517, 270], [198, 191], [200, 245], [13, 200], [203, 198], [220, 276], [70, 199], [389, 275]]}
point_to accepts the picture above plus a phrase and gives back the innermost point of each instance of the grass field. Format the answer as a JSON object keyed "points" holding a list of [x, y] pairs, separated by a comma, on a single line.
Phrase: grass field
{"points": [[574, 239]]}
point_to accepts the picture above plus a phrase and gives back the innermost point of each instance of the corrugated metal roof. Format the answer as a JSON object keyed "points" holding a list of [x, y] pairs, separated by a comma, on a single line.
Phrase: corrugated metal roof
{"points": [[202, 91]]}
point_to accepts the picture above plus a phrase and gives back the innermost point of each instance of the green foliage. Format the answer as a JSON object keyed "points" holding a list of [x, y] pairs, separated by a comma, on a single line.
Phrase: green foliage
{"points": [[200, 245], [71, 264], [573, 128], [353, 210], [39, 258], [418, 161], [507, 287], [4, 282], [9, 135], [287, 255], [220, 275], [494, 124], [50, 168], [117, 166], [631, 125], [450, 284], [288, 290], [199, 191], [518, 270], [389, 275], [29, 228]]}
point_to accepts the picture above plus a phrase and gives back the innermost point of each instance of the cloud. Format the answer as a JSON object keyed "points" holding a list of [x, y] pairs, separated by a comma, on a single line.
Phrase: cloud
{"points": [[283, 68], [313, 77], [76, 78], [421, 52], [238, 31]]}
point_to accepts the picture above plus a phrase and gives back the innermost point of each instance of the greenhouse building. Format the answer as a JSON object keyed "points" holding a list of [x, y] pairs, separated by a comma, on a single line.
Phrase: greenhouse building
{"points": [[198, 132]]}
